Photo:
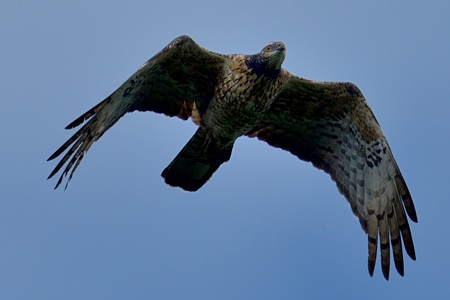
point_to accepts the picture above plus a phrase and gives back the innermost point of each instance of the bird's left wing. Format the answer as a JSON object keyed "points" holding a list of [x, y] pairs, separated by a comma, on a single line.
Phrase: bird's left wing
{"points": [[178, 81], [331, 126]]}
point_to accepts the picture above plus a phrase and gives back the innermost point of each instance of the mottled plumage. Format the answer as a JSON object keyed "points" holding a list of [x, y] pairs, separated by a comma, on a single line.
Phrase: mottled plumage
{"points": [[228, 96]]}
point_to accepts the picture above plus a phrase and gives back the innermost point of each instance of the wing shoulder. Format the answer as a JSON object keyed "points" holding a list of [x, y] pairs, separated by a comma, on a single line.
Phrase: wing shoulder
{"points": [[177, 80]]}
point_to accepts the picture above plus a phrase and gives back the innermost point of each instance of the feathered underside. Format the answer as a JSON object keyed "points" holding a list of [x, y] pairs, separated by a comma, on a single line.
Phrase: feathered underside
{"points": [[327, 124]]}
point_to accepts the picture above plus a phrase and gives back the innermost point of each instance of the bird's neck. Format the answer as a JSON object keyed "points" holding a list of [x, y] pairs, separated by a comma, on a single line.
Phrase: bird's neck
{"points": [[259, 66]]}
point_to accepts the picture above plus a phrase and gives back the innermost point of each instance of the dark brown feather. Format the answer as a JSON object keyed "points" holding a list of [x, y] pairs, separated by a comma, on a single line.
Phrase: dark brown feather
{"points": [[396, 243]]}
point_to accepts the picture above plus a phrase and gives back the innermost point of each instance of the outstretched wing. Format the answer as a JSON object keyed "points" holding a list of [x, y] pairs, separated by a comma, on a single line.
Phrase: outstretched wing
{"points": [[331, 126], [178, 81]]}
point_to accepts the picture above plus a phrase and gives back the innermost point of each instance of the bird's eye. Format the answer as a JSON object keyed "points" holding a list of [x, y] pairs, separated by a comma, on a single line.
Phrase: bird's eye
{"points": [[267, 49]]}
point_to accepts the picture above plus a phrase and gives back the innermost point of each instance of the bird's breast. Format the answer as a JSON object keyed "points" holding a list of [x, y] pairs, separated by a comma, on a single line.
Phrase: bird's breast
{"points": [[240, 99]]}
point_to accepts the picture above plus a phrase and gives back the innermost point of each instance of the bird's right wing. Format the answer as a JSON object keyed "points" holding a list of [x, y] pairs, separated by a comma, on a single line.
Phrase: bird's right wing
{"points": [[178, 81]]}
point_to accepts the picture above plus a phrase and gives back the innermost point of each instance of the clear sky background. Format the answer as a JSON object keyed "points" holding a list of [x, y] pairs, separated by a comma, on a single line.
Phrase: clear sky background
{"points": [[267, 226]]}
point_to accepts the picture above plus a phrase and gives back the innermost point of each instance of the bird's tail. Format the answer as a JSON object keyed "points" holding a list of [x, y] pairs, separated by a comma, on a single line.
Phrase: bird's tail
{"points": [[196, 162], [101, 118]]}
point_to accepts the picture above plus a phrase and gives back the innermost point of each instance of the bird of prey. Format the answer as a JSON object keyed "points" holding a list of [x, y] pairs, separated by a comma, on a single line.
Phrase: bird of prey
{"points": [[228, 96]]}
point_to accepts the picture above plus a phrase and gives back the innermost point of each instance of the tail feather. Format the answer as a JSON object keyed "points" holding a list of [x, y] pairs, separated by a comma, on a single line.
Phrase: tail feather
{"points": [[101, 118], [196, 162]]}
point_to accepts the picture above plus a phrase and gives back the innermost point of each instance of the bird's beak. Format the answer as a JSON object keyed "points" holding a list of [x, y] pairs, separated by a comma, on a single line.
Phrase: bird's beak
{"points": [[281, 47]]}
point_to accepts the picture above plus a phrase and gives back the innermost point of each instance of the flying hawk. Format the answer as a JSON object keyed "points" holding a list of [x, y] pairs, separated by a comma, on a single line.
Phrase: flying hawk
{"points": [[326, 123]]}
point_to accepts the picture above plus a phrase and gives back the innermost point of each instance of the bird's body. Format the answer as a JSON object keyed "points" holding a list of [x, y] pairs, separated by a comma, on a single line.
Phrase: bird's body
{"points": [[241, 98], [228, 96]]}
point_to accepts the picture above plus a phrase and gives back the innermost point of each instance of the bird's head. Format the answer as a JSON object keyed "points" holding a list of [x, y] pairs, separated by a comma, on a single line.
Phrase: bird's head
{"points": [[273, 54], [268, 62]]}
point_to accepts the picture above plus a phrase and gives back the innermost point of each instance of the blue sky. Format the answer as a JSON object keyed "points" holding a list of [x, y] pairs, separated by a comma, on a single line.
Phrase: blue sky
{"points": [[267, 226]]}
